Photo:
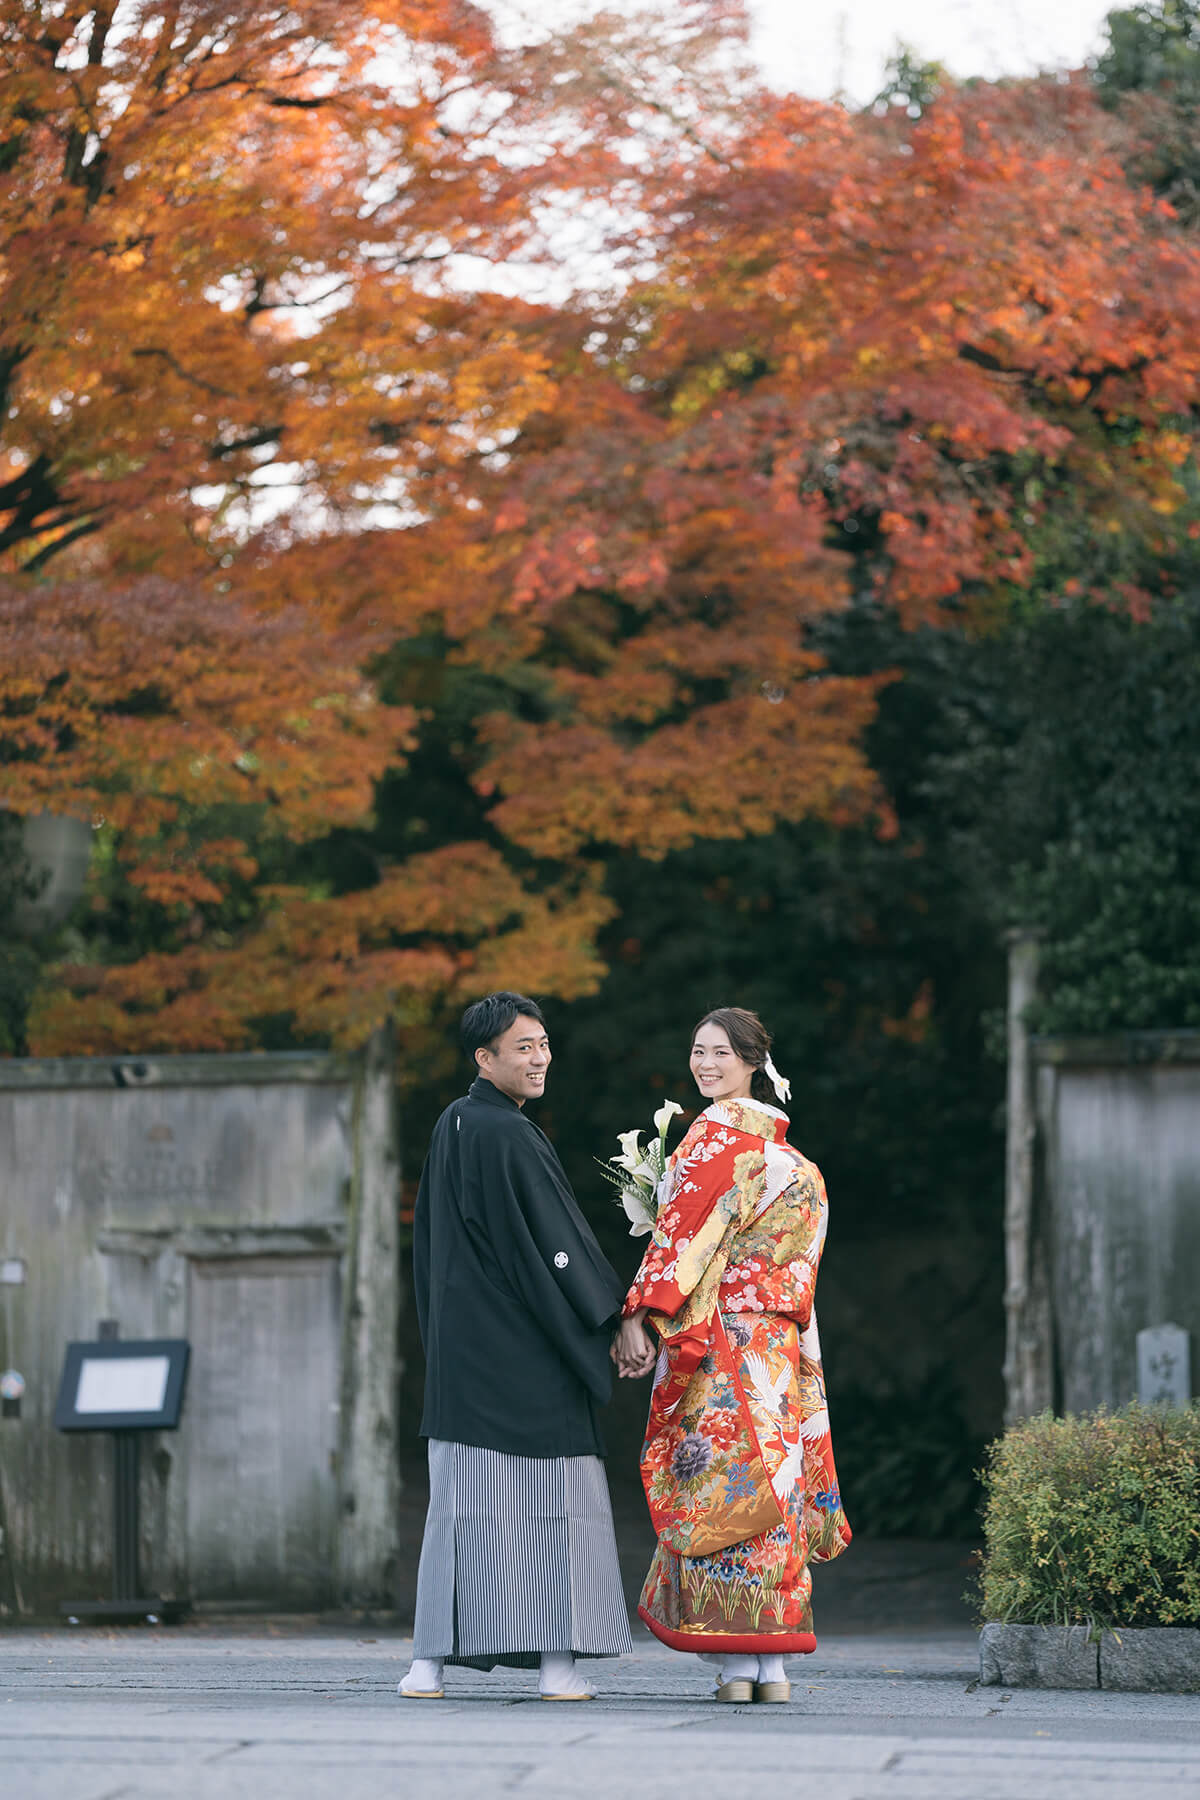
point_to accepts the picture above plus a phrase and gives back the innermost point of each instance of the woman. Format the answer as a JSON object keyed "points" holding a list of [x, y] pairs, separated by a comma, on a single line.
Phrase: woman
{"points": [[736, 1463]]}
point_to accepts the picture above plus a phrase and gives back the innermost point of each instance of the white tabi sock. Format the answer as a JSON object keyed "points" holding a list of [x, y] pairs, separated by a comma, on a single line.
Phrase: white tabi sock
{"points": [[737, 1668], [770, 1668], [561, 1678], [424, 1677]]}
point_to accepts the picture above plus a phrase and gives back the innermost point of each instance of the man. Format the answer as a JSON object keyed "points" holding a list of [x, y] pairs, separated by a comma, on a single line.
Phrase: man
{"points": [[516, 1305]]}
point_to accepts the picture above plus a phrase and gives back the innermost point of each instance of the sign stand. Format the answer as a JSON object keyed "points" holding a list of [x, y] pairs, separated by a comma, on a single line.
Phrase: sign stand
{"points": [[124, 1388], [127, 1605]]}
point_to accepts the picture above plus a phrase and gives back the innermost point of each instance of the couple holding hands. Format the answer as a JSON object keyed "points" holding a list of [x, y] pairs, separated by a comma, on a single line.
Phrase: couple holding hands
{"points": [[517, 1307]]}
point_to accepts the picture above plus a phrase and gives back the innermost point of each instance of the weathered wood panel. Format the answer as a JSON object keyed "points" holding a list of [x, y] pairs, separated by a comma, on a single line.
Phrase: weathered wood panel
{"points": [[130, 1190], [1121, 1172], [261, 1482], [1028, 1364], [370, 1490]]}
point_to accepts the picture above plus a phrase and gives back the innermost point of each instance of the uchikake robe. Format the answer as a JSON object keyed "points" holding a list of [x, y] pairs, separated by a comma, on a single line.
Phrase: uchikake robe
{"points": [[737, 1462], [515, 1298]]}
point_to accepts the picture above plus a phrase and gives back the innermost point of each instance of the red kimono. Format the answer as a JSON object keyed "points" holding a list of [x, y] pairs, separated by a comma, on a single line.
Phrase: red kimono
{"points": [[737, 1462]]}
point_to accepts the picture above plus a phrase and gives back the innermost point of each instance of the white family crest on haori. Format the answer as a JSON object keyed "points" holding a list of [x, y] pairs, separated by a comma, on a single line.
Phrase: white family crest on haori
{"points": [[641, 1177]]}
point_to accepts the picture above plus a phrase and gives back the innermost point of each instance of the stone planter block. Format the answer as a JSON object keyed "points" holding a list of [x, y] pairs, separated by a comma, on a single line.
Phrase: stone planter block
{"points": [[1157, 1660], [1044, 1656]]}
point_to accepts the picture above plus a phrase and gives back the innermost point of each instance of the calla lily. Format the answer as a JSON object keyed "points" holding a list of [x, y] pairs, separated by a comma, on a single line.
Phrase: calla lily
{"points": [[638, 1212], [639, 1172], [631, 1151]]}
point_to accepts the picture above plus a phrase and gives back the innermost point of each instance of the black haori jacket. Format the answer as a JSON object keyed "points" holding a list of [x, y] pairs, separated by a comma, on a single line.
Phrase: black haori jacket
{"points": [[515, 1298]]}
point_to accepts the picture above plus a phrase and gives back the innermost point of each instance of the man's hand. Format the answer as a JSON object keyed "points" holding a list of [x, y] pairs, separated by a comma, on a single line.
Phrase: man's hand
{"points": [[633, 1349]]}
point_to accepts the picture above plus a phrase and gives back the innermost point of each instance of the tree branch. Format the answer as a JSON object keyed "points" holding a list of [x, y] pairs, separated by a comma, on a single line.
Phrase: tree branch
{"points": [[85, 528], [254, 440], [173, 363], [36, 506]]}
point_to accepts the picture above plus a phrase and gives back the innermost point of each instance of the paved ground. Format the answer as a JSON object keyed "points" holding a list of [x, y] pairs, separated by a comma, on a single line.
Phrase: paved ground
{"points": [[264, 1712]]}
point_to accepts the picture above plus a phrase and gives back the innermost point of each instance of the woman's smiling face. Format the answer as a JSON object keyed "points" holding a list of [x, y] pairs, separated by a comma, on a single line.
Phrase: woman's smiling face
{"points": [[719, 1071]]}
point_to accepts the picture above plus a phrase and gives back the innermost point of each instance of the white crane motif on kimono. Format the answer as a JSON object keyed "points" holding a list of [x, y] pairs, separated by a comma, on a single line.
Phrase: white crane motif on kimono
{"points": [[789, 1471], [768, 1391]]}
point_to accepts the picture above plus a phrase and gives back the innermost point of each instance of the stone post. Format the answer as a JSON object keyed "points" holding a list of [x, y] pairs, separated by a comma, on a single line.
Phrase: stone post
{"points": [[57, 850], [369, 1486]]}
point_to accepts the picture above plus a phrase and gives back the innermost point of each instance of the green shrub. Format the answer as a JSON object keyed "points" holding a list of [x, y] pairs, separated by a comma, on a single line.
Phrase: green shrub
{"points": [[1095, 1520]]}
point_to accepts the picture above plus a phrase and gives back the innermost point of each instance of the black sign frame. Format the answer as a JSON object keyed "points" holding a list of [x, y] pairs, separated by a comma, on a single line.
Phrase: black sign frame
{"points": [[177, 1352]]}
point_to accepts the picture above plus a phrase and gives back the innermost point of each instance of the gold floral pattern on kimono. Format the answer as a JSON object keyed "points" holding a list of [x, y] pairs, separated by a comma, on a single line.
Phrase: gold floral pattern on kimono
{"points": [[737, 1461]]}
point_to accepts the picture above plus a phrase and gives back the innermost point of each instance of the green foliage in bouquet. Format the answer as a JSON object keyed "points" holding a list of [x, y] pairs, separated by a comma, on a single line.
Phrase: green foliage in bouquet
{"points": [[1095, 1520]]}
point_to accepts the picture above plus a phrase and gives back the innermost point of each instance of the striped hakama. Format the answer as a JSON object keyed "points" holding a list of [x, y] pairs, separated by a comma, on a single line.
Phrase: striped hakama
{"points": [[519, 1560]]}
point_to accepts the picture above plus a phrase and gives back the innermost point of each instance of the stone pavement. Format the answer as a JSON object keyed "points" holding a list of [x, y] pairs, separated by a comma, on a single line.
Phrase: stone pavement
{"points": [[286, 1711]]}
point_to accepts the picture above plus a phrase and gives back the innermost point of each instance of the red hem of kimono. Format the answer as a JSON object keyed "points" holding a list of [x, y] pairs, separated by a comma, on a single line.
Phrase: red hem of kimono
{"points": [[723, 1643]]}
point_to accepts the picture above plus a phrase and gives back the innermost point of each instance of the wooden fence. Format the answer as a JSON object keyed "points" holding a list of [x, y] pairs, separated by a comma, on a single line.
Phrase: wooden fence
{"points": [[1103, 1207], [247, 1203]]}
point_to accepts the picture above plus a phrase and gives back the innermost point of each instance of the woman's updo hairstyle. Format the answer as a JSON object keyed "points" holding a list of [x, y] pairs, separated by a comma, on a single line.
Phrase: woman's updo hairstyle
{"points": [[750, 1040]]}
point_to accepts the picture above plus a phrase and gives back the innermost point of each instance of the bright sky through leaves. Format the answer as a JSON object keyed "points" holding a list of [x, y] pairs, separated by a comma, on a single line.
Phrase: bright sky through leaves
{"points": [[818, 47]]}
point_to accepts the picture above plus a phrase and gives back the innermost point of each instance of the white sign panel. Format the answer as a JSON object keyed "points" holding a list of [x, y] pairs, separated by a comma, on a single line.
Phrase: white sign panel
{"points": [[122, 1384], [1164, 1366]]}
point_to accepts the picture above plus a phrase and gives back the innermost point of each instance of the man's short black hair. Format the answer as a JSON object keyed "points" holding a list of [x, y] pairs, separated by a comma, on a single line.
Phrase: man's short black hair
{"points": [[489, 1018]]}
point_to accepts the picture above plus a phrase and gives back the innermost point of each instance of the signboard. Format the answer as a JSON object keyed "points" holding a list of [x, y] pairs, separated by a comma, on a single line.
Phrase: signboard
{"points": [[122, 1385]]}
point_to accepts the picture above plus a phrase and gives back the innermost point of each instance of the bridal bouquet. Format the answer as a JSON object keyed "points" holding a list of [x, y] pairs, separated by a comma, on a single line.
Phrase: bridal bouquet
{"points": [[640, 1174]]}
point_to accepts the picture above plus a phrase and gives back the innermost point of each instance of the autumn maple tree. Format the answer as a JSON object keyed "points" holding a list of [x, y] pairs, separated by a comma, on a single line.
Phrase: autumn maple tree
{"points": [[878, 358], [222, 330], [373, 611]]}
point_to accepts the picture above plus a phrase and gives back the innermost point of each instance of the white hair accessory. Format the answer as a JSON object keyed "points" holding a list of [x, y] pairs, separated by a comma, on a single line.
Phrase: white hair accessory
{"points": [[782, 1088]]}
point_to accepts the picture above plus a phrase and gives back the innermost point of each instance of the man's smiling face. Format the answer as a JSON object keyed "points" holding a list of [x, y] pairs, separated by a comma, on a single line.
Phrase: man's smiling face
{"points": [[516, 1062]]}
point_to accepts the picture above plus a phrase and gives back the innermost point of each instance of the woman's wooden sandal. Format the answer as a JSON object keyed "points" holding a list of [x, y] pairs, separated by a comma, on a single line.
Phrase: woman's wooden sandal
{"points": [[773, 1691], [739, 1692]]}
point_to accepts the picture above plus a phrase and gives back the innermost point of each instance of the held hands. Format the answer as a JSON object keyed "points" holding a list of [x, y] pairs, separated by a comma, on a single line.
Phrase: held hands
{"points": [[633, 1348]]}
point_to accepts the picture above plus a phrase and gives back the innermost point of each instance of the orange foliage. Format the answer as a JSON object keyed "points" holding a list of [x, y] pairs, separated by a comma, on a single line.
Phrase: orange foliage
{"points": [[222, 231], [863, 339], [165, 697], [259, 434], [443, 928], [216, 223]]}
